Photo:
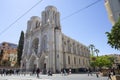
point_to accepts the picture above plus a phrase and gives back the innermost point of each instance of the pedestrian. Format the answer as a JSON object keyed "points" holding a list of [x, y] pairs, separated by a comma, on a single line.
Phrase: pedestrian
{"points": [[70, 71], [49, 73], [89, 72], [33, 72], [97, 74], [65, 73], [113, 71], [62, 72], [38, 71], [109, 75]]}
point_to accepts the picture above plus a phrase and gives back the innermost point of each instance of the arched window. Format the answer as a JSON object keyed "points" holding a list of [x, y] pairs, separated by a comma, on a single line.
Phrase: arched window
{"points": [[79, 61], [35, 45], [44, 43], [74, 48], [68, 59], [74, 60], [64, 46], [37, 24], [69, 47]]}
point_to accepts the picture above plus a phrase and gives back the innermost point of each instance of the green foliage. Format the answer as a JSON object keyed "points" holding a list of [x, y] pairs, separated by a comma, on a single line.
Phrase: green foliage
{"points": [[93, 61], [20, 48], [6, 63], [91, 47], [114, 36], [96, 51], [102, 61], [93, 50]]}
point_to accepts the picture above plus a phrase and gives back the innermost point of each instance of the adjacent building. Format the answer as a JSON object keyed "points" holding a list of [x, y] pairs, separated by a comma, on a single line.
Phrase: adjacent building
{"points": [[8, 54], [116, 60], [47, 48], [113, 9]]}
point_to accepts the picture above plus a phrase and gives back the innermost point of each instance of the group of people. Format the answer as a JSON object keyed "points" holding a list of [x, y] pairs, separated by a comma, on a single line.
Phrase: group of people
{"points": [[110, 73], [64, 72], [9, 71], [36, 71], [89, 72]]}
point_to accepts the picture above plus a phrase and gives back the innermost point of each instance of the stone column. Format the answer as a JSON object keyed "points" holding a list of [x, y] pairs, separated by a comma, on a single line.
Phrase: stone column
{"points": [[27, 65], [36, 62], [47, 63]]}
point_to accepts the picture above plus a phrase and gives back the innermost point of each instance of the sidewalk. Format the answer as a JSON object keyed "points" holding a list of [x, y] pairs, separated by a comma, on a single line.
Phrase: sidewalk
{"points": [[54, 77], [22, 77]]}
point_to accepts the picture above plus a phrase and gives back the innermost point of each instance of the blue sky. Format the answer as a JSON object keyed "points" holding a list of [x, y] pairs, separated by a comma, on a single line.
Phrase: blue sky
{"points": [[88, 26]]}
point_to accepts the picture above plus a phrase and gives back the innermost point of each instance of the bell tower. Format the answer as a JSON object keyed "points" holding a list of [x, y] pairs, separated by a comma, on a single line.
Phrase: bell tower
{"points": [[51, 24]]}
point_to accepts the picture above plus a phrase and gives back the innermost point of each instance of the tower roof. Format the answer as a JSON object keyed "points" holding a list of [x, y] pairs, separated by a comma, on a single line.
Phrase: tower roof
{"points": [[51, 8]]}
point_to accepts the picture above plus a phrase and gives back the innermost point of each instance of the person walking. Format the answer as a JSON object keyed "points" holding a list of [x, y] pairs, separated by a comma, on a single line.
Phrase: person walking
{"points": [[109, 75], [97, 74], [65, 73], [89, 72], [37, 72], [62, 72], [69, 71]]}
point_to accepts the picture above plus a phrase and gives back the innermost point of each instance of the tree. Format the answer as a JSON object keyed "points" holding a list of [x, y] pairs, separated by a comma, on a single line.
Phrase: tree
{"points": [[103, 61], [20, 48], [96, 51], [114, 36], [1, 55], [91, 47], [6, 63]]}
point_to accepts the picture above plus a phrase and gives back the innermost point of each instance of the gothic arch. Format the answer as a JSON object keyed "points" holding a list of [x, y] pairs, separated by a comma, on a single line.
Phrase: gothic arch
{"points": [[44, 43], [35, 45], [32, 63]]}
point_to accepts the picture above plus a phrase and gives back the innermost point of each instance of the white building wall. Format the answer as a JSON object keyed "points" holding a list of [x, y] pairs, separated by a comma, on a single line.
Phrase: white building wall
{"points": [[113, 9]]}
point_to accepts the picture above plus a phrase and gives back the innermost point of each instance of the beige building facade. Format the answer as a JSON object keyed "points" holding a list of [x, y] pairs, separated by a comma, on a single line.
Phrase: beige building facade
{"points": [[113, 9], [8, 54], [47, 48]]}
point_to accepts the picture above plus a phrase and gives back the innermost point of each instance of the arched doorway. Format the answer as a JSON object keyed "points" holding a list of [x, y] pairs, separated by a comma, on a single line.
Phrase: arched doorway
{"points": [[43, 63], [33, 63], [23, 65]]}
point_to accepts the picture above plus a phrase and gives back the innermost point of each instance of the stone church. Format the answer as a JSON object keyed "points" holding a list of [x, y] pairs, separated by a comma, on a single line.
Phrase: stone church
{"points": [[47, 48]]}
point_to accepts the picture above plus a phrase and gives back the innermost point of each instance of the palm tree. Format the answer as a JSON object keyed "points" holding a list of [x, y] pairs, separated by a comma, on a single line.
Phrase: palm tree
{"points": [[91, 47], [96, 51]]}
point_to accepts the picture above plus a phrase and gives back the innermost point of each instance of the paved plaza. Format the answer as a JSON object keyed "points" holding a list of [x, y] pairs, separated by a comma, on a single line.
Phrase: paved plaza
{"points": [[54, 77]]}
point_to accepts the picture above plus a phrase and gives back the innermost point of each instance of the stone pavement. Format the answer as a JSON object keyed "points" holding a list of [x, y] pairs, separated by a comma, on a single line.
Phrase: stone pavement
{"points": [[54, 77]]}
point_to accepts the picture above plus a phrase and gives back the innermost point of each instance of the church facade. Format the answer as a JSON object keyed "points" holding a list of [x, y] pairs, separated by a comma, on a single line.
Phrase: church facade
{"points": [[47, 48]]}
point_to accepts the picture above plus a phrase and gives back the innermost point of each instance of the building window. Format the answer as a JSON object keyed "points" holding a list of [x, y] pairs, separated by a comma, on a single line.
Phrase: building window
{"points": [[83, 62], [35, 45], [68, 59], [74, 48], [87, 62], [74, 60], [69, 47], [79, 61], [37, 24]]}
